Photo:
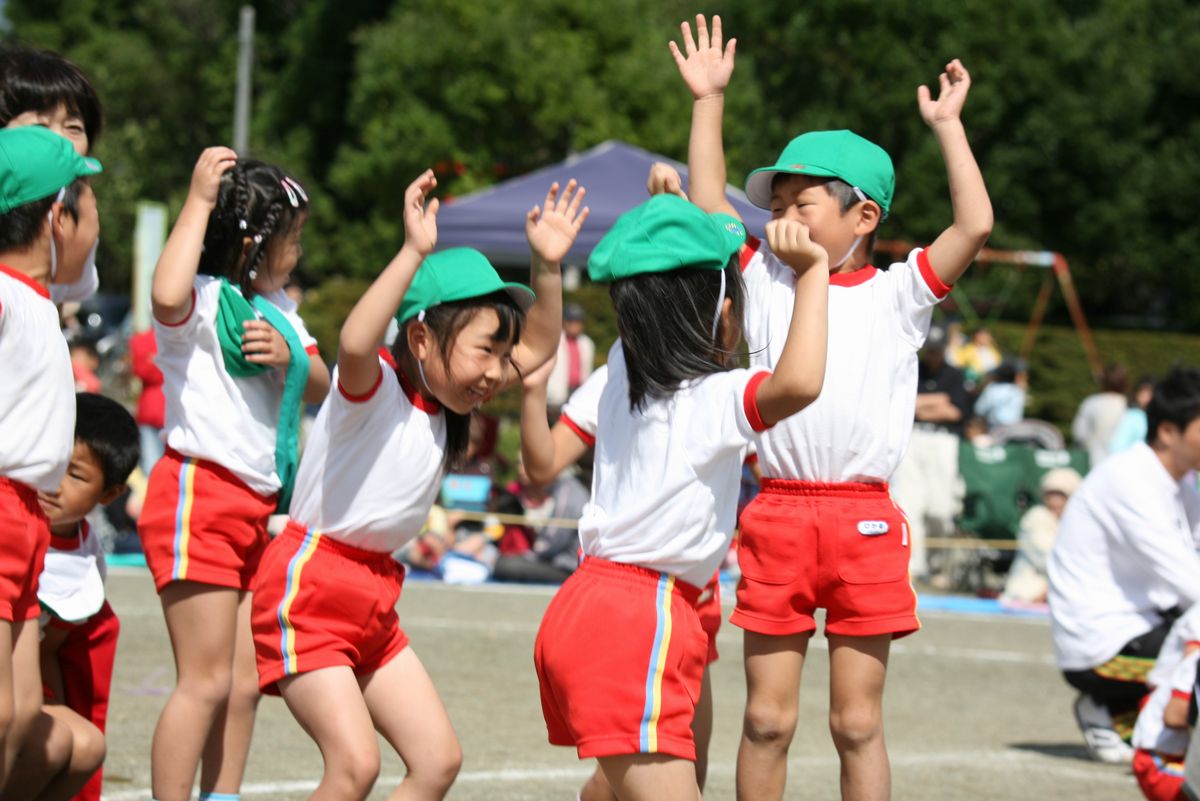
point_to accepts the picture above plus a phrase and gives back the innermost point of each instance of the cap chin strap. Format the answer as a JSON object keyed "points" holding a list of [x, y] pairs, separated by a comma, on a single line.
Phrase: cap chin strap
{"points": [[420, 367], [858, 193], [62, 193], [720, 305]]}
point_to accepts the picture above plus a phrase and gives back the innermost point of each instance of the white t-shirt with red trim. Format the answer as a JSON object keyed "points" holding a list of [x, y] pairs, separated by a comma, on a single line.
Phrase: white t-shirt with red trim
{"points": [[71, 585], [1151, 732], [372, 466], [858, 428], [209, 413], [37, 395], [582, 409], [666, 478]]}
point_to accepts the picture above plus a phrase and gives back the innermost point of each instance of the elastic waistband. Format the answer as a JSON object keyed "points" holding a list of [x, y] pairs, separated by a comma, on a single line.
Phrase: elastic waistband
{"points": [[298, 531], [25, 493], [826, 489], [641, 575], [224, 473]]}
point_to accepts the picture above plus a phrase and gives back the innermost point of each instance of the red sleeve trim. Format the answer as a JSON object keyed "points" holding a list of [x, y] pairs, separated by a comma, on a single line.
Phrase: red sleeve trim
{"points": [[25, 279], [938, 287], [753, 243], [312, 350], [1182, 694], [366, 396], [587, 438], [750, 401], [751, 458], [187, 317]]}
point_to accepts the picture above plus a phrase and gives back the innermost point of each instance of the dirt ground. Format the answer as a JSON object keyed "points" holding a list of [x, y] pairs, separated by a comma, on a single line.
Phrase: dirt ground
{"points": [[974, 708]]}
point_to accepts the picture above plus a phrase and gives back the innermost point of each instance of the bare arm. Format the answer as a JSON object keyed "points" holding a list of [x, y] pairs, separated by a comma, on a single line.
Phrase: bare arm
{"points": [[171, 290], [545, 451], [318, 379], [364, 329], [954, 250], [800, 371], [706, 69]]}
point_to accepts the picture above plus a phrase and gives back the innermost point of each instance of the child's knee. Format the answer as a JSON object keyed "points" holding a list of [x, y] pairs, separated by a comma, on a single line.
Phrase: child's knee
{"points": [[88, 750], [854, 727], [767, 722], [439, 772], [210, 687], [355, 771]]}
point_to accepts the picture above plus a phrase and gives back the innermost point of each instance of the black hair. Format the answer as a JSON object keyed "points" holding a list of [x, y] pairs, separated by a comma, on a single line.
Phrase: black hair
{"points": [[847, 199], [445, 322], [41, 80], [1005, 373], [665, 320], [1176, 399], [253, 193], [20, 227], [110, 432]]}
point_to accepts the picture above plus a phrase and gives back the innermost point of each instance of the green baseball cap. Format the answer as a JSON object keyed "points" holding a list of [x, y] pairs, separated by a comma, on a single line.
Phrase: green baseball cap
{"points": [[456, 274], [665, 233], [35, 163], [830, 154]]}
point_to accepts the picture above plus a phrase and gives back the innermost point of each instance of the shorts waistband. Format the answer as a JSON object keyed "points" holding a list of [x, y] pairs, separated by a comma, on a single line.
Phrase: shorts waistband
{"points": [[25, 493], [826, 489], [643, 575], [224, 473], [297, 532]]}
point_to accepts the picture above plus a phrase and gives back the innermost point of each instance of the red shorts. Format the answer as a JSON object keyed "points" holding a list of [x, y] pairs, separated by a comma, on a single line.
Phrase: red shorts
{"points": [[840, 547], [620, 658], [320, 603], [201, 523], [708, 607], [1159, 776], [24, 539]]}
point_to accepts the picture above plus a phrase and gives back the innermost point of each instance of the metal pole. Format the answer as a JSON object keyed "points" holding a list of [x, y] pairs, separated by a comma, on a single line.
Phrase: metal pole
{"points": [[241, 109]]}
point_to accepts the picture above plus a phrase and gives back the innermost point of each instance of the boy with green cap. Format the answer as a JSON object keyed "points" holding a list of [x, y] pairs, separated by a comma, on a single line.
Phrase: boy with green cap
{"points": [[39, 239], [825, 533], [620, 652]]}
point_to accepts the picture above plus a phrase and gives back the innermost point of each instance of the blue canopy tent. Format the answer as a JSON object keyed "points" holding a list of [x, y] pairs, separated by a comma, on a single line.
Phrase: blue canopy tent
{"points": [[614, 174]]}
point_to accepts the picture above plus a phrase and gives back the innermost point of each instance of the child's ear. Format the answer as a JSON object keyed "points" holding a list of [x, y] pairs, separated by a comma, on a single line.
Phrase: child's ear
{"points": [[420, 340], [111, 494], [869, 218]]}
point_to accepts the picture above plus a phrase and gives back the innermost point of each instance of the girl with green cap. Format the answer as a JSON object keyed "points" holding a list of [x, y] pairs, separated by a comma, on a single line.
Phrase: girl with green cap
{"points": [[327, 635]]}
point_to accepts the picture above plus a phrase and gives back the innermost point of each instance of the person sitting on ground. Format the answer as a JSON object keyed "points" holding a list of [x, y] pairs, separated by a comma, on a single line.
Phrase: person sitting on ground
{"points": [[1002, 401], [1027, 582], [554, 554]]}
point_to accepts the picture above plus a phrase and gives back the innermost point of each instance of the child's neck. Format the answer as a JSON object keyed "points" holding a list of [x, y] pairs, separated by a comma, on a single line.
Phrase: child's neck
{"points": [[67, 531], [33, 262]]}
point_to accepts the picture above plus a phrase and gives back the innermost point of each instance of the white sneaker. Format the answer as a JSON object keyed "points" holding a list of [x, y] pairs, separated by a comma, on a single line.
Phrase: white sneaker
{"points": [[1101, 739]]}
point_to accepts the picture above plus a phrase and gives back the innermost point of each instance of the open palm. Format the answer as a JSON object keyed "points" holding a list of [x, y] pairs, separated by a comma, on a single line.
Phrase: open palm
{"points": [[704, 66], [552, 227]]}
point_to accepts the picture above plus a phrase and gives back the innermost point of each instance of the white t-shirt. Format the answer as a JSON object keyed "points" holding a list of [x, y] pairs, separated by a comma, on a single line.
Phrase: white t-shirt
{"points": [[1126, 549], [209, 413], [1151, 732], [372, 467], [858, 428], [1184, 631], [582, 409], [666, 478], [37, 395], [72, 582], [1096, 421]]}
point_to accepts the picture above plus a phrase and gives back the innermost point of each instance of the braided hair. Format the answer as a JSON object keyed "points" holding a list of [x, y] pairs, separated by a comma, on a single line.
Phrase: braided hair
{"points": [[255, 200]]}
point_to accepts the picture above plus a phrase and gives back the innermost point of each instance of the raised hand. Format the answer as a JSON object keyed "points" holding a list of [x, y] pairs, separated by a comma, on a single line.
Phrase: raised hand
{"points": [[551, 228], [954, 84], [206, 177], [706, 67], [420, 218], [664, 180], [789, 240]]}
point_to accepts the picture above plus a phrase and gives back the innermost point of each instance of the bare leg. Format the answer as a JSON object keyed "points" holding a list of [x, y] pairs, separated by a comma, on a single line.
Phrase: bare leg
{"points": [[857, 669], [328, 703], [409, 713], [26, 682], [6, 694], [773, 669], [202, 622], [61, 753], [228, 745], [651, 777]]}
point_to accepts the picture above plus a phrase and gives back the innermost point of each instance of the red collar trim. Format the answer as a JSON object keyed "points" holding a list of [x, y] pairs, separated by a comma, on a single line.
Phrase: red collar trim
{"points": [[416, 398], [70, 543], [751, 247], [859, 276], [25, 279]]}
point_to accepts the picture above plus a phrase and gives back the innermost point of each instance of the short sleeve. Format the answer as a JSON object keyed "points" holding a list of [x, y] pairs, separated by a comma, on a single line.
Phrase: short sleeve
{"points": [[916, 290], [582, 411], [1183, 677], [385, 386], [728, 405], [206, 294]]}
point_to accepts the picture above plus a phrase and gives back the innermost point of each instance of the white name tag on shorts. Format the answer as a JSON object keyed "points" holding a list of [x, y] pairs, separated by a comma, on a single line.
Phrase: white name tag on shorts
{"points": [[872, 528]]}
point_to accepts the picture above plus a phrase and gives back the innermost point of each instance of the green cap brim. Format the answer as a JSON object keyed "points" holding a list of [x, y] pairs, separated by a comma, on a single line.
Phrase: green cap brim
{"points": [[758, 183]]}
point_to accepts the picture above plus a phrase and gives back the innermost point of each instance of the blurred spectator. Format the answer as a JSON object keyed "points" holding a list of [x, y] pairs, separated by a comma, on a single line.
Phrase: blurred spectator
{"points": [[1027, 581], [1002, 401], [555, 549], [1132, 426], [576, 357], [85, 361], [926, 484], [151, 404], [975, 431], [979, 357], [1099, 414]]}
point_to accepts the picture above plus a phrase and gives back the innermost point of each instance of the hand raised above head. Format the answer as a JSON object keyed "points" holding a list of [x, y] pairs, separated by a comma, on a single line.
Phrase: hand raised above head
{"points": [[551, 228], [953, 86], [420, 218], [206, 177], [664, 180], [704, 66]]}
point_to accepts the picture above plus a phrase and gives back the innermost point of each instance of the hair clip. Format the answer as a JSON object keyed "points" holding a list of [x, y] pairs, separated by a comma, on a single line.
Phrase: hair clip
{"points": [[294, 192], [258, 239], [243, 225], [253, 274]]}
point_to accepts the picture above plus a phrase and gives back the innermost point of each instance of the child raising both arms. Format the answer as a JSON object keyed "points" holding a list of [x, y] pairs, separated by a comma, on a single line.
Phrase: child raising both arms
{"points": [[327, 635], [237, 365]]}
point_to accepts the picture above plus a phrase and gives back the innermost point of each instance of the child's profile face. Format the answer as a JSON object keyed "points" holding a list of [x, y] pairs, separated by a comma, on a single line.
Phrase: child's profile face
{"points": [[283, 254], [477, 364], [79, 237], [81, 489], [805, 199], [59, 119]]}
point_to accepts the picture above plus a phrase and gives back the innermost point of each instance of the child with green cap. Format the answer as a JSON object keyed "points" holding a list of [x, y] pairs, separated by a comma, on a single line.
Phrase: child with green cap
{"points": [[326, 633], [824, 532], [37, 398], [620, 652]]}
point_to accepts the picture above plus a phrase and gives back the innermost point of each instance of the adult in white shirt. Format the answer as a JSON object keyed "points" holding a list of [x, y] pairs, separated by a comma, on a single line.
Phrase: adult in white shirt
{"points": [[1099, 414], [1125, 563]]}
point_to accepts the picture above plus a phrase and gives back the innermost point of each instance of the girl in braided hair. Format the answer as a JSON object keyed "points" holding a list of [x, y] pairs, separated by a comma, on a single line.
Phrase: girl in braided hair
{"points": [[238, 365]]}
